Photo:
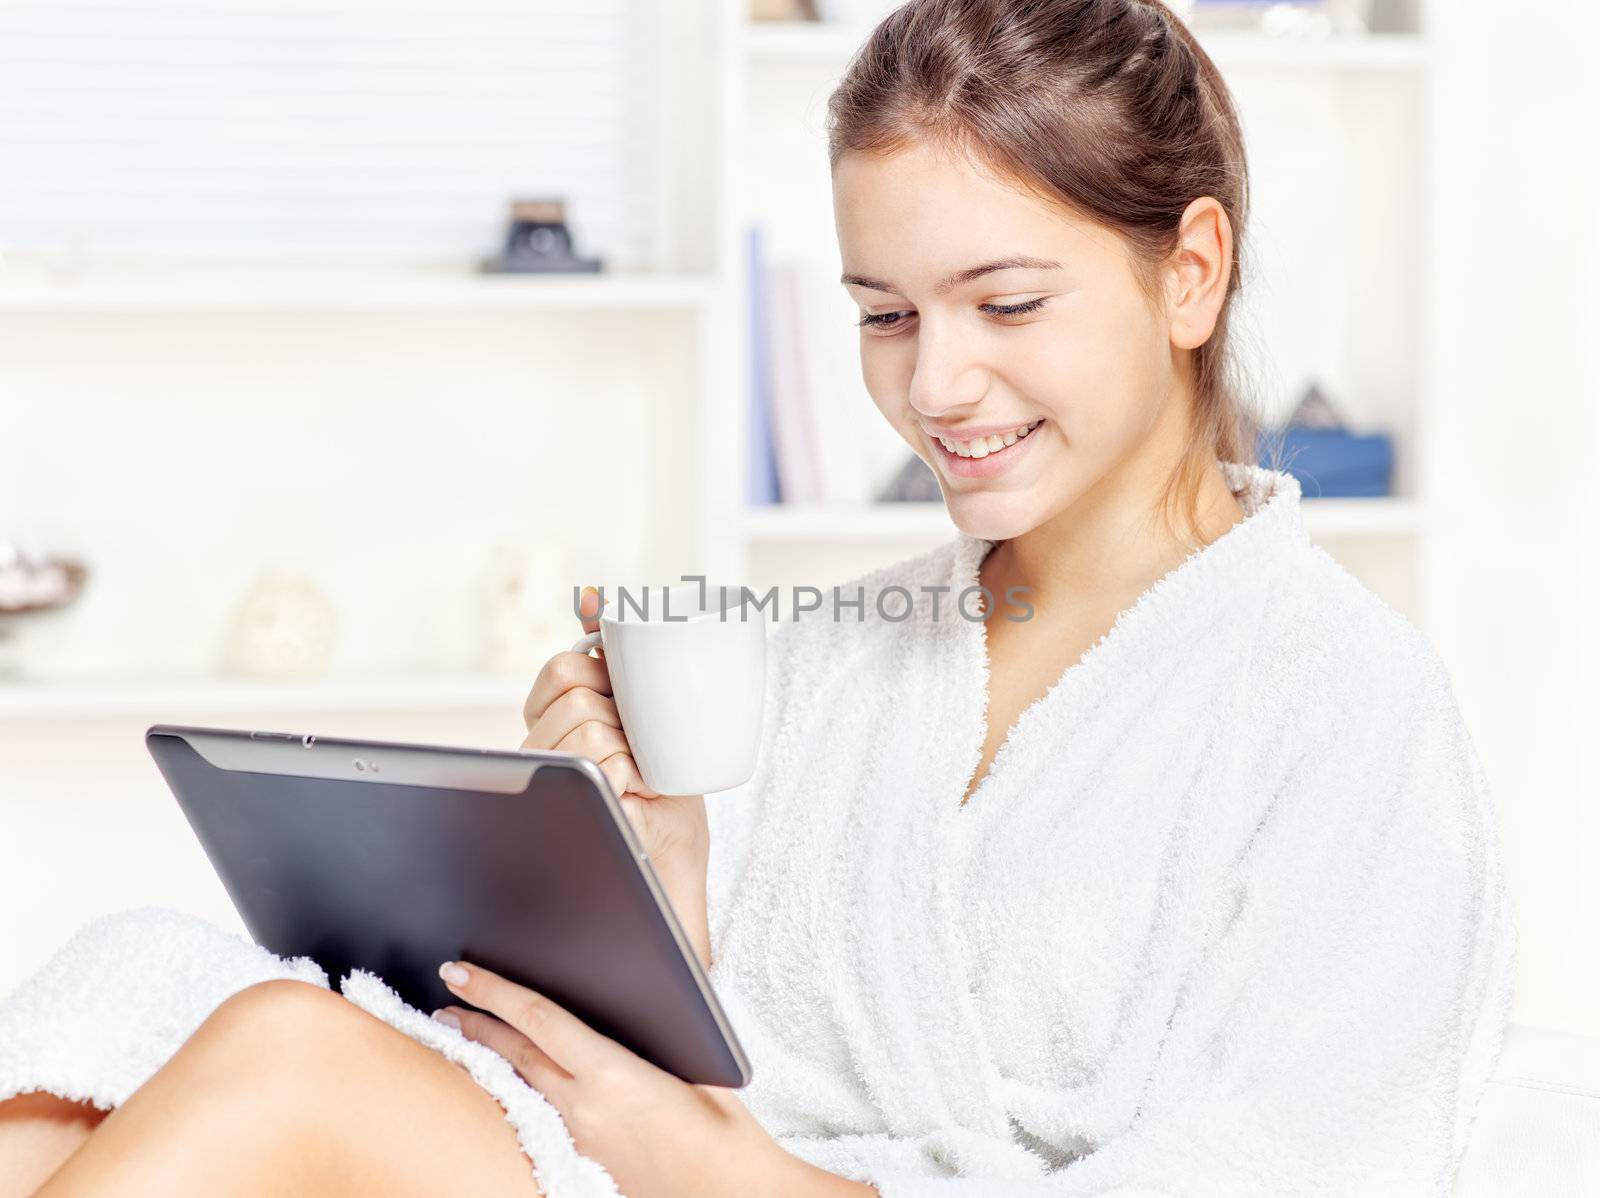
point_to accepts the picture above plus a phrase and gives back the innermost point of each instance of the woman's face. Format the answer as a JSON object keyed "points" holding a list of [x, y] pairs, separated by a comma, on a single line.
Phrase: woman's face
{"points": [[1006, 340]]}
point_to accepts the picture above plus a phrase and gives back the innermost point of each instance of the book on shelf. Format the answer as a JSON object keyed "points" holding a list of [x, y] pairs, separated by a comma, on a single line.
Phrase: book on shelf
{"points": [[805, 388], [761, 464], [799, 475]]}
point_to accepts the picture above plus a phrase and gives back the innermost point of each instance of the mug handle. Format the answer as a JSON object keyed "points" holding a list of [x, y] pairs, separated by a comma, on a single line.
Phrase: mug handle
{"points": [[589, 640]]}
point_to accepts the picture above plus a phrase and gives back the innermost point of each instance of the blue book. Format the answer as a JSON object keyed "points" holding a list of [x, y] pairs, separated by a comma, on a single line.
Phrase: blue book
{"points": [[761, 459]]}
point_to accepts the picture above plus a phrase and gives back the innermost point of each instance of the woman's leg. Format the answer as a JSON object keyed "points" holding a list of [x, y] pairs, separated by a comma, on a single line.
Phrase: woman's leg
{"points": [[37, 1133], [289, 1088]]}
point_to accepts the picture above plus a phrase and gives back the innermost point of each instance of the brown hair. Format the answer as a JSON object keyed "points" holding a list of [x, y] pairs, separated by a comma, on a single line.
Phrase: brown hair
{"points": [[1107, 106]]}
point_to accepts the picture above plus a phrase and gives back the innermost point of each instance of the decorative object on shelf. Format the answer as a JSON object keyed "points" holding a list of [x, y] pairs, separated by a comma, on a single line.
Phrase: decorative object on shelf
{"points": [[913, 483], [62, 259], [858, 14], [1327, 459], [1278, 18], [34, 591], [284, 627], [1315, 410], [782, 10], [538, 242], [524, 608]]}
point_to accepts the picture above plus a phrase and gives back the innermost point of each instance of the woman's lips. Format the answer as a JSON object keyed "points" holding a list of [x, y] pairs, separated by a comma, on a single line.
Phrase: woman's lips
{"points": [[986, 467]]}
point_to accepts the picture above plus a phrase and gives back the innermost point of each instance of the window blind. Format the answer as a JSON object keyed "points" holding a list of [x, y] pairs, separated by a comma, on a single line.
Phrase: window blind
{"points": [[243, 127]]}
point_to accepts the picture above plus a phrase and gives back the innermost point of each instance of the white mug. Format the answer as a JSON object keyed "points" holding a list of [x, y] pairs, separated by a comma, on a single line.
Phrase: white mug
{"points": [[689, 679]]}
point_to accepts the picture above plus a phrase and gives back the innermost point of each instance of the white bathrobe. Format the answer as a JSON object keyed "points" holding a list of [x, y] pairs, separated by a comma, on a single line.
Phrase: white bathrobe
{"points": [[1225, 916]]}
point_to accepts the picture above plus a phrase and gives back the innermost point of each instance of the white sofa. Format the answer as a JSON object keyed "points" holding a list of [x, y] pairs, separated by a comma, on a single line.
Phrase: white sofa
{"points": [[1537, 1133]]}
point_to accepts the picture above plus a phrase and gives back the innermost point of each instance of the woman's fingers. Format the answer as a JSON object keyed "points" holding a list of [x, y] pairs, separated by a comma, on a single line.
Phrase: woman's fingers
{"points": [[567, 670], [608, 747], [623, 774], [565, 1039], [568, 714], [594, 740], [562, 674], [526, 1057], [589, 608], [588, 724]]}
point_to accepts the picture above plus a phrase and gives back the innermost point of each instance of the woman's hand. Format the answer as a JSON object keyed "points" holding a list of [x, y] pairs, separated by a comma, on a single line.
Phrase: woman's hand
{"points": [[656, 1134], [570, 708]]}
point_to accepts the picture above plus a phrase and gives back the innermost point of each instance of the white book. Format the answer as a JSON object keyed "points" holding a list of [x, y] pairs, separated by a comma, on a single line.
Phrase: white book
{"points": [[841, 410], [794, 428]]}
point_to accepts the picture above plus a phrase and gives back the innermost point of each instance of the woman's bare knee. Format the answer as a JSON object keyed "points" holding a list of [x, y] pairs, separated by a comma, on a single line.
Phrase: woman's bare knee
{"points": [[282, 1028], [37, 1133], [400, 1114], [280, 1005], [290, 1087]]}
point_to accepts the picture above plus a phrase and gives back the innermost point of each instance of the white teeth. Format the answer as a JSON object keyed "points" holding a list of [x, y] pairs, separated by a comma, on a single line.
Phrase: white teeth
{"points": [[982, 447]]}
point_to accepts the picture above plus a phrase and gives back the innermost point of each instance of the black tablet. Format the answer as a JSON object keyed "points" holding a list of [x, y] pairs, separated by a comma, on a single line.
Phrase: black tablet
{"points": [[394, 858]]}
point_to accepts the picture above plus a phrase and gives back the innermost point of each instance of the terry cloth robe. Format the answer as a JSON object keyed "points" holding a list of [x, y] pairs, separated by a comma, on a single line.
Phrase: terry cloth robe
{"points": [[1225, 916]]}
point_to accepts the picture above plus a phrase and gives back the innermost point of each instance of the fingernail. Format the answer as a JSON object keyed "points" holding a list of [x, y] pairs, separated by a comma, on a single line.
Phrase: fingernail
{"points": [[453, 974], [448, 1018]]}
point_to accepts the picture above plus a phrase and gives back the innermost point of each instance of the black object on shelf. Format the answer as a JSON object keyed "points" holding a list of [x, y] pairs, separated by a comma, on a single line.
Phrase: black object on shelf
{"points": [[913, 483], [538, 242]]}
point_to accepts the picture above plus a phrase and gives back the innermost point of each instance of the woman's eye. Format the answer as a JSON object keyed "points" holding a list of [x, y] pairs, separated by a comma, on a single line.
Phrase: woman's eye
{"points": [[881, 320], [1032, 305], [893, 320]]}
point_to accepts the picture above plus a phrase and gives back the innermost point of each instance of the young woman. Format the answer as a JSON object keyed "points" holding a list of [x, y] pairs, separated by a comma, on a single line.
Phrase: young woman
{"points": [[1173, 872]]}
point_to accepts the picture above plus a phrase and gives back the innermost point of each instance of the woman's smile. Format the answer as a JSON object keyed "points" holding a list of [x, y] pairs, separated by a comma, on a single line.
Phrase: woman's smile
{"points": [[981, 453]]}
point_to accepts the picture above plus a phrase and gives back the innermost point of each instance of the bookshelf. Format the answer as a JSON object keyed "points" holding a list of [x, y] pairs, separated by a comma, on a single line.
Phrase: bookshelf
{"points": [[739, 138]]}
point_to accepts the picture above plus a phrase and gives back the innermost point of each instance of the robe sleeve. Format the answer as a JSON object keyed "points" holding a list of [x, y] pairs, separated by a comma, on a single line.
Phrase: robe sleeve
{"points": [[1336, 1031]]}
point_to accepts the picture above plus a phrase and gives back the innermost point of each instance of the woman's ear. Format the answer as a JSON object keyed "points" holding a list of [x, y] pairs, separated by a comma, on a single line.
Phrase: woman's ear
{"points": [[1198, 271]]}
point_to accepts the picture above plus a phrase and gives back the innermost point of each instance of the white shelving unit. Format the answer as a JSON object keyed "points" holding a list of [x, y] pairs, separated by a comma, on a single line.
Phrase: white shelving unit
{"points": [[740, 139], [160, 698], [793, 524], [372, 287]]}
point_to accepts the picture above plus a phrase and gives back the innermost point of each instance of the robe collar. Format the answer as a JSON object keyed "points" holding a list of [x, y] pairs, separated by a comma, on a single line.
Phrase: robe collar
{"points": [[1273, 524]]}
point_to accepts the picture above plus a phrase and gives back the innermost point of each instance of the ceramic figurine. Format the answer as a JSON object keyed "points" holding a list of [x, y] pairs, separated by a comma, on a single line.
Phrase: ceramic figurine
{"points": [[284, 627], [525, 608]]}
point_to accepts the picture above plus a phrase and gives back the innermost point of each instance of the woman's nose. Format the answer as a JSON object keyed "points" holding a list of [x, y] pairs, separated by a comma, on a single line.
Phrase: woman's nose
{"points": [[946, 376]]}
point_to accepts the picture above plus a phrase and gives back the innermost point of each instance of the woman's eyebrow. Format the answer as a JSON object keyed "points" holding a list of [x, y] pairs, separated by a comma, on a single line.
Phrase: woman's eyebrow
{"points": [[1020, 262]]}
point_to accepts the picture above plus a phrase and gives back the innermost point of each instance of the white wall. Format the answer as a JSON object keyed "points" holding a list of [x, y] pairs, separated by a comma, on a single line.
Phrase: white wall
{"points": [[1513, 578]]}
